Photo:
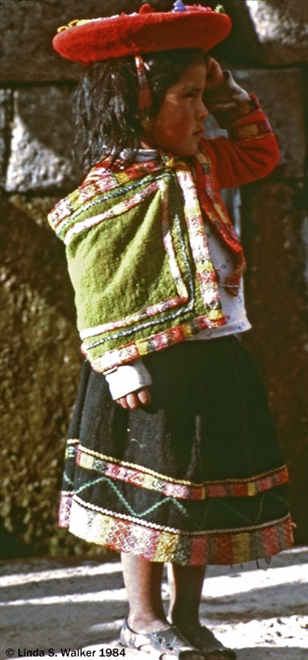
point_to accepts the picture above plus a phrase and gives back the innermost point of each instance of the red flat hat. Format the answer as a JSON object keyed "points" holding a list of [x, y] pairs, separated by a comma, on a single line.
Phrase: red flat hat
{"points": [[186, 26]]}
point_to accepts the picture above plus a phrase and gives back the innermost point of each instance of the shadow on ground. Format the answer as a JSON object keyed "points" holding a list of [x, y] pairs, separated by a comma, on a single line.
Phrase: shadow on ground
{"points": [[49, 605]]}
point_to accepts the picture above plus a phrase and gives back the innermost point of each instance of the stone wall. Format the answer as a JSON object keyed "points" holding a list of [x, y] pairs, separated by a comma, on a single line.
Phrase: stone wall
{"points": [[39, 351]]}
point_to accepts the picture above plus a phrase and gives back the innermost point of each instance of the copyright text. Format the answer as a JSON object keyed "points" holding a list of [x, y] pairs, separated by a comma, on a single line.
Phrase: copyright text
{"points": [[106, 652]]}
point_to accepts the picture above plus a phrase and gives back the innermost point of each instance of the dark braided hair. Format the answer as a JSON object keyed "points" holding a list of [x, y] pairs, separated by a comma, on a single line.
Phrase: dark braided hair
{"points": [[106, 102]]}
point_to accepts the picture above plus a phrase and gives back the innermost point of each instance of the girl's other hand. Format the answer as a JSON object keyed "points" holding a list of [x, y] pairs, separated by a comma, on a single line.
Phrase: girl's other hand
{"points": [[214, 73], [135, 399]]}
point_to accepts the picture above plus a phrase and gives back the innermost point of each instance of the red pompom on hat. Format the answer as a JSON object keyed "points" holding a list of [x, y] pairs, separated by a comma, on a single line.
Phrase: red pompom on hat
{"points": [[186, 26]]}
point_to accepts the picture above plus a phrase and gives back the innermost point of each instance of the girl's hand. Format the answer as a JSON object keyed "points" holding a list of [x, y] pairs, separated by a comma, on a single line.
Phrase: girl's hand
{"points": [[214, 73], [134, 400]]}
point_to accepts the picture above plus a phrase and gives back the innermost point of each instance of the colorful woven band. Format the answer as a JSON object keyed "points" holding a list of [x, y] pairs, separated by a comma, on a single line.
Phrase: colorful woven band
{"points": [[144, 92]]}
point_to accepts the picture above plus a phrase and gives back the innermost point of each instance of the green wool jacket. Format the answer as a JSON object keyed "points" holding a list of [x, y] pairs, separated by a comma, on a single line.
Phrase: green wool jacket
{"points": [[136, 245]]}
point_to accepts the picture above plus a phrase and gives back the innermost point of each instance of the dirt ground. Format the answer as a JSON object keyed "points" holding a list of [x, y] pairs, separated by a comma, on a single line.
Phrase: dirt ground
{"points": [[51, 608]]}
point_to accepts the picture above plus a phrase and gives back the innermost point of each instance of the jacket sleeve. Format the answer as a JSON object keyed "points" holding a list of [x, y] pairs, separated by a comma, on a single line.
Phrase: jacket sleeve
{"points": [[250, 152]]}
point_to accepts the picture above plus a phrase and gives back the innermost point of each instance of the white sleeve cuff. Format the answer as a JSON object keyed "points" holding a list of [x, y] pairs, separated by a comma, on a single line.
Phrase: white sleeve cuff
{"points": [[128, 378]]}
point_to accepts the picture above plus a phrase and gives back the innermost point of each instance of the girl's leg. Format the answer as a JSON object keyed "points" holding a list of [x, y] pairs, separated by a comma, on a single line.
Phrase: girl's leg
{"points": [[143, 585], [185, 595], [186, 584]]}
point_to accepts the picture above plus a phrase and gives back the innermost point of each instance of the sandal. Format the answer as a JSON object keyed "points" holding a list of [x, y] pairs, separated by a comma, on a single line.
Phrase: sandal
{"points": [[205, 641], [169, 643]]}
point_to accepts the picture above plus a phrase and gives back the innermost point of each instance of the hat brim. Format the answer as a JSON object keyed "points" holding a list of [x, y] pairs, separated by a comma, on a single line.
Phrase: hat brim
{"points": [[119, 36]]}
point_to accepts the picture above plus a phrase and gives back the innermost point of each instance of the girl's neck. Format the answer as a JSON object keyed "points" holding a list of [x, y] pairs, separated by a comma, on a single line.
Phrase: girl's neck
{"points": [[146, 145]]}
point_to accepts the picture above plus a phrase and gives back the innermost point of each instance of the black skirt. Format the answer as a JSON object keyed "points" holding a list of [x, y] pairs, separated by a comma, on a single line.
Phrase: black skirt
{"points": [[197, 477]]}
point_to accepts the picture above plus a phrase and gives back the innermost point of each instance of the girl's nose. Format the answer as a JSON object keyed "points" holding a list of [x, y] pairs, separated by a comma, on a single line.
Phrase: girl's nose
{"points": [[202, 111]]}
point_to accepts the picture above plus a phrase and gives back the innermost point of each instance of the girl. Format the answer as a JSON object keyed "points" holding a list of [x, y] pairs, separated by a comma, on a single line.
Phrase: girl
{"points": [[172, 455]]}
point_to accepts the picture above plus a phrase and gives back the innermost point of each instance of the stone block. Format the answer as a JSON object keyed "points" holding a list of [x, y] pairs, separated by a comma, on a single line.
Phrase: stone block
{"points": [[28, 26], [270, 32], [274, 234], [39, 371], [242, 44], [281, 93], [265, 31], [282, 29], [42, 137], [5, 131]]}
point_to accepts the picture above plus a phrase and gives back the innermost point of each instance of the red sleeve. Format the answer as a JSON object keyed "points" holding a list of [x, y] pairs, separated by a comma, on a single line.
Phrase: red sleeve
{"points": [[249, 153]]}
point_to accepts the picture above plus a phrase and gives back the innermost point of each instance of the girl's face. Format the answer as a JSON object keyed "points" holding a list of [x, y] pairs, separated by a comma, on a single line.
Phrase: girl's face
{"points": [[179, 124]]}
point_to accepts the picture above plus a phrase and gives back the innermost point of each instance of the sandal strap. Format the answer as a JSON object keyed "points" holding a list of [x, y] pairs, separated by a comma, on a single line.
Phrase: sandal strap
{"points": [[205, 641], [169, 642]]}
